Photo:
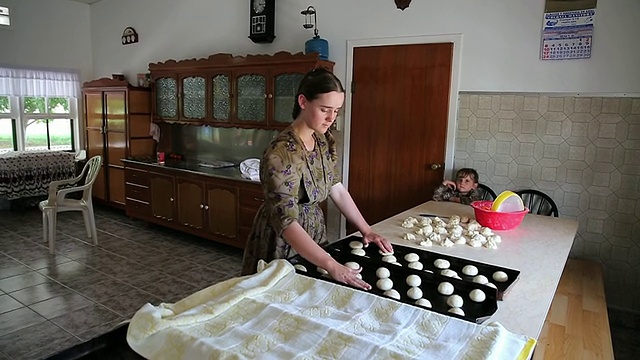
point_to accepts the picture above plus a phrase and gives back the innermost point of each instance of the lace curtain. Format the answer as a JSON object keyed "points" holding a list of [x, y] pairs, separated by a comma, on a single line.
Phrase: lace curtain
{"points": [[24, 82]]}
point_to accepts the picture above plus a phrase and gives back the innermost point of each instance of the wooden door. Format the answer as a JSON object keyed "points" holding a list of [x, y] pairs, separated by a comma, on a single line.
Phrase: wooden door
{"points": [[190, 203], [116, 144], [94, 124], [399, 118], [222, 210], [162, 199]]}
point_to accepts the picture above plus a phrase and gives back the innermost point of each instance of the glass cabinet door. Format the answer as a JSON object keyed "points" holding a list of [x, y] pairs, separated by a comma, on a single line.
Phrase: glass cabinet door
{"points": [[221, 96], [194, 97], [166, 97], [286, 86], [252, 97]]}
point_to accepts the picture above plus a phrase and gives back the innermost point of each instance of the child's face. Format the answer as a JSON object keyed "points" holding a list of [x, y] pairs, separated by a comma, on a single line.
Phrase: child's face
{"points": [[466, 184]]}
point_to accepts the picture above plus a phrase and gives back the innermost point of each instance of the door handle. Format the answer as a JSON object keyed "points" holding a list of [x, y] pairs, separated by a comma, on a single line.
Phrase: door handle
{"points": [[435, 166]]}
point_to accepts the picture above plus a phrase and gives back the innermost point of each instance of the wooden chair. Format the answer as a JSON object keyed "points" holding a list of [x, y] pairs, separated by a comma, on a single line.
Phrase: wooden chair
{"points": [[538, 202], [58, 202], [486, 193]]}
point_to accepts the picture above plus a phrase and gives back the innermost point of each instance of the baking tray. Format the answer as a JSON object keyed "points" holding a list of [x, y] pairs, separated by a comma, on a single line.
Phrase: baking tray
{"points": [[427, 258], [476, 312]]}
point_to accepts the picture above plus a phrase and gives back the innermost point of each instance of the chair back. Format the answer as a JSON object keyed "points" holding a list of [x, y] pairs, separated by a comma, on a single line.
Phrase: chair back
{"points": [[91, 168], [486, 193], [538, 202]]}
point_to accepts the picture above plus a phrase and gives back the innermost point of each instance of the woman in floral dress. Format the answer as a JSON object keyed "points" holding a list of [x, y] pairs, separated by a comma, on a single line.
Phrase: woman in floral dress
{"points": [[298, 171]]}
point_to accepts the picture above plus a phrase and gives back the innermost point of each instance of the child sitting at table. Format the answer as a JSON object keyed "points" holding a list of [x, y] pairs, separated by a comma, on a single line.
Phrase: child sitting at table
{"points": [[463, 190]]}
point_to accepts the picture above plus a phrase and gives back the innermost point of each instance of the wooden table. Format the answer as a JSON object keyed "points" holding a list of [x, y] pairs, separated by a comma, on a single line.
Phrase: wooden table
{"points": [[539, 248]]}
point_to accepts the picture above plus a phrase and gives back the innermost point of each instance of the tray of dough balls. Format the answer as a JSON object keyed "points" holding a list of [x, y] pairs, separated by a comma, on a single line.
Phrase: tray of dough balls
{"points": [[497, 277], [450, 296]]}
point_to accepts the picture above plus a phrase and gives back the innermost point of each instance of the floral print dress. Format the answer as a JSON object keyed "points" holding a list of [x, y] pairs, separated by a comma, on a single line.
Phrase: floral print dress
{"points": [[295, 181]]}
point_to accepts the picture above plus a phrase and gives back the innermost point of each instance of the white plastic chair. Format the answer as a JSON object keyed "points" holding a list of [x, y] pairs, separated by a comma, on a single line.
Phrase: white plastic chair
{"points": [[57, 202]]}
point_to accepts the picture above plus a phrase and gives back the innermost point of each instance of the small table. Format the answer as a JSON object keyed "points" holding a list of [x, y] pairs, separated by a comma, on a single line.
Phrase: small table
{"points": [[539, 248], [29, 173]]}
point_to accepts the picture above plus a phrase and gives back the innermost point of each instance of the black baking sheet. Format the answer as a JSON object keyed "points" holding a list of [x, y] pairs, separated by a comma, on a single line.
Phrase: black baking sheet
{"points": [[474, 312]]}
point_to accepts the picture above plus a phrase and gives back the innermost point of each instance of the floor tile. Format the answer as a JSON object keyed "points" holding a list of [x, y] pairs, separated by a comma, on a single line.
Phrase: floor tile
{"points": [[18, 319], [22, 281], [127, 304], [100, 329], [105, 289], [38, 293], [7, 303], [85, 319], [60, 305], [10, 270], [20, 343], [169, 288], [51, 348]]}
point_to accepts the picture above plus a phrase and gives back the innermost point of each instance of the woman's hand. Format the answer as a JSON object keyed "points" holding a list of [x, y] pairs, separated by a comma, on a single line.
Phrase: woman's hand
{"points": [[348, 276], [382, 243]]}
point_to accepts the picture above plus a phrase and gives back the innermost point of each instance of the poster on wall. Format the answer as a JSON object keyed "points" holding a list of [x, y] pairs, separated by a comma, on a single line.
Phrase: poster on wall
{"points": [[567, 30]]}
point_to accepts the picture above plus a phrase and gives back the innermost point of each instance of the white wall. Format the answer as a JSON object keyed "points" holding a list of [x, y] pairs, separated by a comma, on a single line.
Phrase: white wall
{"points": [[500, 50], [52, 34]]}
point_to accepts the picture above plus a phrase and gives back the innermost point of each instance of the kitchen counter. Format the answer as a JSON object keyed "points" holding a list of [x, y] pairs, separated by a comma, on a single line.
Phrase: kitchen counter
{"points": [[539, 248], [232, 173]]}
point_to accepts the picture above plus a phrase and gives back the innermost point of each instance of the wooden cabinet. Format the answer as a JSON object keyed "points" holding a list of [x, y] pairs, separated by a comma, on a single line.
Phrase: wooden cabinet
{"points": [[201, 205], [256, 91], [117, 118]]}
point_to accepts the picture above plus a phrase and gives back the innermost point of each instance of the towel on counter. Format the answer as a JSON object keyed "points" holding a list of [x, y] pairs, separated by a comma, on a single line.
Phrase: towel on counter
{"points": [[154, 131], [278, 314], [250, 169]]}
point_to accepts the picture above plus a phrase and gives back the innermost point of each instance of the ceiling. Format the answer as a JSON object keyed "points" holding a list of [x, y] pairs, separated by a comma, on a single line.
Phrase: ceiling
{"points": [[86, 1]]}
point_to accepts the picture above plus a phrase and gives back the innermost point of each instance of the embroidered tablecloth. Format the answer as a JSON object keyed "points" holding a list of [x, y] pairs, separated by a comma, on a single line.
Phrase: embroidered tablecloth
{"points": [[278, 314], [29, 173]]}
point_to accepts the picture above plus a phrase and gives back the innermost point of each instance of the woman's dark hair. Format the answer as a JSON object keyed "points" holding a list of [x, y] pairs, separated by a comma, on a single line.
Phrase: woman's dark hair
{"points": [[316, 82]]}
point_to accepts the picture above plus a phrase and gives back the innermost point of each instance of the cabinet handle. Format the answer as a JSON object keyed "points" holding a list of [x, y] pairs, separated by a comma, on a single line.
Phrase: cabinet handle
{"points": [[171, 199], [201, 206], [206, 207], [270, 96]]}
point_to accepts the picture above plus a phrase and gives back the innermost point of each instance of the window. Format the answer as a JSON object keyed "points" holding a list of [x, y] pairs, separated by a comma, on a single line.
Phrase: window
{"points": [[5, 19], [31, 118]]}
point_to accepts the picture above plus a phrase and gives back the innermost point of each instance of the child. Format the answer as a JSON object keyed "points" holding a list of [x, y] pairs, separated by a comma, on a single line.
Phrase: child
{"points": [[464, 190]]}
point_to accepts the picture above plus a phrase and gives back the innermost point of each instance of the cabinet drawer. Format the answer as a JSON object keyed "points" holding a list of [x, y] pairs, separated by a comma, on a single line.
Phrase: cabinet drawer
{"points": [[246, 216], [136, 192], [251, 197], [137, 177], [138, 209]]}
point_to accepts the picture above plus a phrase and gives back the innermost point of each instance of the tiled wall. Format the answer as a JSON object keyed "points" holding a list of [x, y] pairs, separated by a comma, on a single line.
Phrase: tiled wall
{"points": [[583, 151]]}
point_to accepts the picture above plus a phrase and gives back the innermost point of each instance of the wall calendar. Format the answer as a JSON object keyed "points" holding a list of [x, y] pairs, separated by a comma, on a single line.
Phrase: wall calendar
{"points": [[568, 33]]}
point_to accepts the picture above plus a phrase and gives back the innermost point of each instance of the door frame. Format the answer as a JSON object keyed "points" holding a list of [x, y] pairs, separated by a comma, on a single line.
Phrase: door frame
{"points": [[456, 40]]}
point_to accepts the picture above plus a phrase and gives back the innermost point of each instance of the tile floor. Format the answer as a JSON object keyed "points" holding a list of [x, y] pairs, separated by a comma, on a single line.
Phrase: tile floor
{"points": [[51, 302]]}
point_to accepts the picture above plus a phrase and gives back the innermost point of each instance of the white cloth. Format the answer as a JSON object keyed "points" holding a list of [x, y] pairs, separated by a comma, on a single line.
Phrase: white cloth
{"points": [[154, 131], [250, 169], [26, 82], [278, 314]]}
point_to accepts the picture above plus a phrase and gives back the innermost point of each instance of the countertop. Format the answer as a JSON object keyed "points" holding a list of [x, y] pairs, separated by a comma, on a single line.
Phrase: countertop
{"points": [[539, 248], [232, 173]]}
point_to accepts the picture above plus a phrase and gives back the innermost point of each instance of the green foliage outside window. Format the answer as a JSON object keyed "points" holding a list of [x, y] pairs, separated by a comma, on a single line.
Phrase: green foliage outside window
{"points": [[4, 104]]}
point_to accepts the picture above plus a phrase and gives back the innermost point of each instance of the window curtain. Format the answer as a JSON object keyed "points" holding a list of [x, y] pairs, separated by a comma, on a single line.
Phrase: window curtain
{"points": [[24, 82]]}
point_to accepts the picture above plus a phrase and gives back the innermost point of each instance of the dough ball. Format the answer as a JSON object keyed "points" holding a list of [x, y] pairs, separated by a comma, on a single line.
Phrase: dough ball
{"points": [[414, 293], [414, 280], [359, 252], [455, 301], [412, 257], [415, 265], [384, 284], [359, 276], [491, 285], [352, 265], [397, 264], [445, 288], [300, 267], [383, 273], [356, 245], [441, 264], [500, 276], [322, 271], [477, 295], [389, 259], [470, 270], [392, 293], [480, 279], [424, 302], [384, 253], [456, 311], [448, 273]]}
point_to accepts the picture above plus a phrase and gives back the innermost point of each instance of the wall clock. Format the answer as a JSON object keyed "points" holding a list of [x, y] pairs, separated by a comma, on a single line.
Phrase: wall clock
{"points": [[262, 21]]}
